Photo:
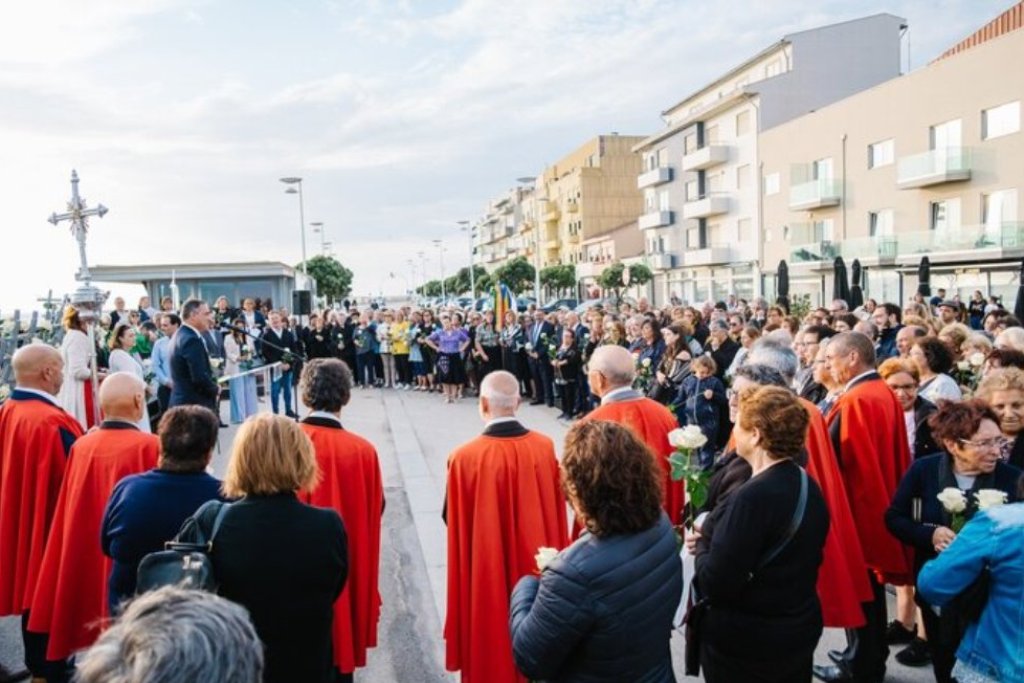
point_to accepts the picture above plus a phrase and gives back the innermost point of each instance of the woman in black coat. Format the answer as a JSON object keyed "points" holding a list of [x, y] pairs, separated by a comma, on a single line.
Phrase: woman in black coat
{"points": [[969, 431], [566, 366], [602, 609], [758, 615], [284, 561]]}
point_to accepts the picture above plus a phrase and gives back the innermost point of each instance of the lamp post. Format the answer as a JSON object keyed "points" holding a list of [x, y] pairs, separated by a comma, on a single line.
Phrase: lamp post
{"points": [[440, 251], [464, 226], [293, 182], [423, 270], [536, 232], [318, 227]]}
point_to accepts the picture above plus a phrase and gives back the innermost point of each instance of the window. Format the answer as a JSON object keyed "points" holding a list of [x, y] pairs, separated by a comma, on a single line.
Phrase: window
{"points": [[663, 201], [1001, 120], [716, 234], [881, 153], [650, 200], [880, 223], [999, 208], [944, 135], [692, 191], [771, 184], [742, 123], [743, 177], [773, 69], [822, 169], [744, 227], [715, 182], [945, 215], [823, 230], [690, 143], [662, 158], [711, 135], [693, 240], [650, 161]]}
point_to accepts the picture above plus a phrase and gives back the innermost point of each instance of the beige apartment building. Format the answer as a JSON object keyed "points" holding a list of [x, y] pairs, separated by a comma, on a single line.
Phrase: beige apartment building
{"points": [[929, 163], [624, 243]]}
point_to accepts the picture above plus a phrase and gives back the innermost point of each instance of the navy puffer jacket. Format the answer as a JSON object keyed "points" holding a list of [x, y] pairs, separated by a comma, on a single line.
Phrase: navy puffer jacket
{"points": [[601, 611]]}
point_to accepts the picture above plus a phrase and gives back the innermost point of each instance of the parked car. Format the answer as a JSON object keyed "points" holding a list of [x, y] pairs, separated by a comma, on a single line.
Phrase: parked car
{"points": [[607, 303], [559, 303], [524, 302]]}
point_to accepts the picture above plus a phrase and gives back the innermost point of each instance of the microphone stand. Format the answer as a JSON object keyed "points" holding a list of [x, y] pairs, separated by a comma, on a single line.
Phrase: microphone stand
{"points": [[224, 327]]}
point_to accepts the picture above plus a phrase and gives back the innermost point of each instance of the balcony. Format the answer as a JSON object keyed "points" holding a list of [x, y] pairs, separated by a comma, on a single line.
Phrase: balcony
{"points": [[882, 249], [946, 165], [661, 261], [656, 219], [817, 194], [706, 157], [708, 205], [572, 206], [996, 240], [552, 213], [590, 269], [654, 177], [715, 254], [573, 238]]}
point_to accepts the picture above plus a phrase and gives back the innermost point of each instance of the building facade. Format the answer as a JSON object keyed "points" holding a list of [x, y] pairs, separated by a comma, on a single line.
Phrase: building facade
{"points": [[930, 163], [701, 213]]}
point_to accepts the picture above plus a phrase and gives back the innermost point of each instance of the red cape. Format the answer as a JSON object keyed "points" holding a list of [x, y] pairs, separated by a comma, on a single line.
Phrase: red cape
{"points": [[842, 580], [504, 503], [652, 422], [71, 596], [351, 484], [33, 454], [873, 456]]}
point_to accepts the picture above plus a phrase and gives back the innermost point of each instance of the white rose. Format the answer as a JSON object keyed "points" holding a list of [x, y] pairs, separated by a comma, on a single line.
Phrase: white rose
{"points": [[44, 325], [989, 498], [963, 365], [544, 557], [976, 359], [953, 499], [528, 346], [5, 392], [689, 437], [646, 362]]}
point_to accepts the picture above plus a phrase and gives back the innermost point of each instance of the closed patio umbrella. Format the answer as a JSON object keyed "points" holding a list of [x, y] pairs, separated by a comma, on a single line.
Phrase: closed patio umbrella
{"points": [[783, 285], [840, 283], [1018, 308], [856, 293], [924, 274]]}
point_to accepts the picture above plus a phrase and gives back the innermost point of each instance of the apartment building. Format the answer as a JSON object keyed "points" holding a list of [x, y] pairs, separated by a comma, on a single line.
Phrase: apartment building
{"points": [[701, 214], [622, 243], [930, 163], [495, 240]]}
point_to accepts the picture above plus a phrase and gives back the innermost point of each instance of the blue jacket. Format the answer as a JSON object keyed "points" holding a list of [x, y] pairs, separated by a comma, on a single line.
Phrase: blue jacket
{"points": [[994, 538], [886, 347], [190, 371], [601, 611]]}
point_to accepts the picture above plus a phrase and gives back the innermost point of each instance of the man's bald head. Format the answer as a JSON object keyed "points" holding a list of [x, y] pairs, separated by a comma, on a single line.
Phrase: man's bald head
{"points": [[38, 366], [615, 366], [499, 395], [123, 397]]}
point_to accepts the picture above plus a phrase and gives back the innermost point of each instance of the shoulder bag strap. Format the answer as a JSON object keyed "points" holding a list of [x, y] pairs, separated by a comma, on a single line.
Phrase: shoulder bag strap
{"points": [[217, 522], [794, 524]]}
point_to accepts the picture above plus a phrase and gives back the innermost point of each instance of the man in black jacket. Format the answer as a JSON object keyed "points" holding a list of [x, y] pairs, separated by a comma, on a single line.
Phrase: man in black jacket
{"points": [[539, 336], [191, 375], [279, 346]]}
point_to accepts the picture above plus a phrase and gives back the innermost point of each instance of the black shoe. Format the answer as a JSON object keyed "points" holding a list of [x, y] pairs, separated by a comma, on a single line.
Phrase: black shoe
{"points": [[223, 426], [915, 654], [551, 405], [11, 677], [838, 657], [290, 414], [536, 403], [832, 674], [898, 634]]}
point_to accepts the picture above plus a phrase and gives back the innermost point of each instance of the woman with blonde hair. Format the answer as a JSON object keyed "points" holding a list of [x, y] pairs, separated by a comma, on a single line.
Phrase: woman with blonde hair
{"points": [[284, 561], [955, 334]]}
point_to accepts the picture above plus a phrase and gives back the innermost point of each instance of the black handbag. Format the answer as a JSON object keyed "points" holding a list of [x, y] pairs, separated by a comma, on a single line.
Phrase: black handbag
{"points": [[184, 564], [697, 606]]}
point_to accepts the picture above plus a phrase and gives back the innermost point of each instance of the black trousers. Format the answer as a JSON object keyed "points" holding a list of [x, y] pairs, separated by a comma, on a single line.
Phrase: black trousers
{"points": [[944, 636], [402, 368], [163, 395], [35, 656], [569, 397], [867, 650], [719, 667], [543, 375]]}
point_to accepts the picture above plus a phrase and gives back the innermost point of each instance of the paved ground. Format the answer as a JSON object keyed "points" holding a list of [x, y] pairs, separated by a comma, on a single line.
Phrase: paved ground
{"points": [[414, 433]]}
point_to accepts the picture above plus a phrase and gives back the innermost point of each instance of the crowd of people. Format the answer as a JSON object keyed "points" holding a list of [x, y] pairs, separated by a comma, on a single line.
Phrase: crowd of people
{"points": [[844, 450]]}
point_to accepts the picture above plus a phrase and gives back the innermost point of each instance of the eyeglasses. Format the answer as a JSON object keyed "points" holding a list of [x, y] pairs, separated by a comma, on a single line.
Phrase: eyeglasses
{"points": [[985, 444]]}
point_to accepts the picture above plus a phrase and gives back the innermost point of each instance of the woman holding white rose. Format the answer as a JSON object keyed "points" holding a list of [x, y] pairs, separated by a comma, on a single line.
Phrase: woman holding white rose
{"points": [[939, 493]]}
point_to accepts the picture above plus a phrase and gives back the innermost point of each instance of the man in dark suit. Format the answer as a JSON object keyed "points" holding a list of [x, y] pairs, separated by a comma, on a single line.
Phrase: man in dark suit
{"points": [[540, 335], [279, 345], [192, 381]]}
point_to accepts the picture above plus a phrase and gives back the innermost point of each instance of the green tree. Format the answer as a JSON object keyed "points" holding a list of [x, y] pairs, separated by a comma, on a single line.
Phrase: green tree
{"points": [[611, 277], [517, 274], [559, 278], [333, 280], [431, 288]]}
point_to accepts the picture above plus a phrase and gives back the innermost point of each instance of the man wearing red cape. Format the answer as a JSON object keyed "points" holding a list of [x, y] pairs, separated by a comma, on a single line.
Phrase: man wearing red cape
{"points": [[350, 482], [867, 430], [611, 373], [71, 594], [36, 436], [504, 503]]}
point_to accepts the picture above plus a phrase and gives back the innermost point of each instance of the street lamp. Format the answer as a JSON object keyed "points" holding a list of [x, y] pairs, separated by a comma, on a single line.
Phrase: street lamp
{"points": [[536, 233], [440, 251], [318, 227], [292, 182], [472, 277]]}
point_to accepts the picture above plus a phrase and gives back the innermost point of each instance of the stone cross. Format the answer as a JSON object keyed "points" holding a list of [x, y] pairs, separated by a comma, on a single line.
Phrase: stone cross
{"points": [[78, 214]]}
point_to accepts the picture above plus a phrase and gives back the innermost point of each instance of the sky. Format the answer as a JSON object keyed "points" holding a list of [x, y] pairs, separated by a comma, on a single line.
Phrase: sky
{"points": [[402, 116]]}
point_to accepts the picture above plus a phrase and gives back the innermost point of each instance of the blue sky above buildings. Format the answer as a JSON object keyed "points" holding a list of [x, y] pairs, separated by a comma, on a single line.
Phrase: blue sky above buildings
{"points": [[403, 117]]}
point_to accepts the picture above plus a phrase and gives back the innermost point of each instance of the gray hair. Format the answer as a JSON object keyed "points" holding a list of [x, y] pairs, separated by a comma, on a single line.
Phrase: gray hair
{"points": [[773, 354], [174, 635], [718, 324], [762, 375], [190, 308]]}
